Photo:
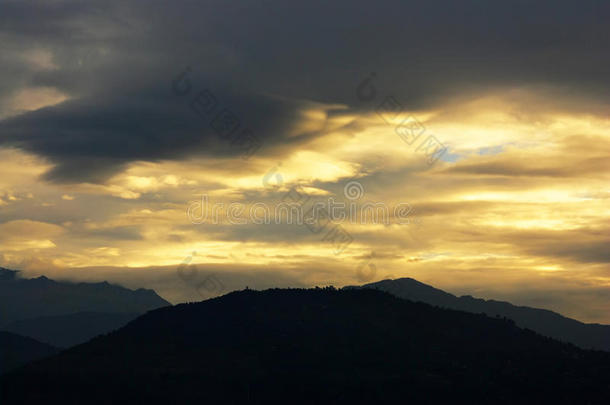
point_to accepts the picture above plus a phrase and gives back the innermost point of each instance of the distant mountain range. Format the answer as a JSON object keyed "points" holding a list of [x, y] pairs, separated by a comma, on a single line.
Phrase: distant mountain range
{"points": [[64, 314], [545, 322], [322, 346], [16, 351]]}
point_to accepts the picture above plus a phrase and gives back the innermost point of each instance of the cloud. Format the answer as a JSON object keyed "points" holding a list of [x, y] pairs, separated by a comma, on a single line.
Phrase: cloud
{"points": [[509, 166], [92, 140], [119, 109], [28, 235]]}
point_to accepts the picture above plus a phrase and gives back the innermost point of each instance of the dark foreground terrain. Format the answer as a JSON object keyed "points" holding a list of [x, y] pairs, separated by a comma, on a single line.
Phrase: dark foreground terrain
{"points": [[314, 346]]}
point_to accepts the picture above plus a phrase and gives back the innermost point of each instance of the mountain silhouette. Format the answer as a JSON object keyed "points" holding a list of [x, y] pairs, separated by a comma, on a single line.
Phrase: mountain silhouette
{"points": [[63, 313], [322, 346], [545, 322], [15, 351]]}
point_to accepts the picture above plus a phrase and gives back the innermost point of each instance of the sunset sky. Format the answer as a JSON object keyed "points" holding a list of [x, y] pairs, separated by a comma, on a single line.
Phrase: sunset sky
{"points": [[103, 148]]}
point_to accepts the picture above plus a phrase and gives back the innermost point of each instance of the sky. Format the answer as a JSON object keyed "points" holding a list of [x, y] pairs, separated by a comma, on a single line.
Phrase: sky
{"points": [[466, 144]]}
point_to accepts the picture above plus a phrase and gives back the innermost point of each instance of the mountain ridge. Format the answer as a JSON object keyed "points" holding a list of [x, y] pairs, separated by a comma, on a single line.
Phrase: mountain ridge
{"points": [[64, 314], [22, 298], [544, 321], [306, 346]]}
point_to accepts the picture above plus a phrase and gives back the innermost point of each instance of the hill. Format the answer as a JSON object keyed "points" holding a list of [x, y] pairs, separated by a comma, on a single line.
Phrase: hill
{"points": [[545, 322], [315, 346]]}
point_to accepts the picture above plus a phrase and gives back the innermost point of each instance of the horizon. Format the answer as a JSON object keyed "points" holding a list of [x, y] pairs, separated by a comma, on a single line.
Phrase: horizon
{"points": [[214, 289]]}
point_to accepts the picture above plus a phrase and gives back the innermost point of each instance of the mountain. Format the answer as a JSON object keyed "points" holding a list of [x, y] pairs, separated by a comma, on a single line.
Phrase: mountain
{"points": [[15, 351], [321, 346], [69, 330], [545, 322], [41, 297]]}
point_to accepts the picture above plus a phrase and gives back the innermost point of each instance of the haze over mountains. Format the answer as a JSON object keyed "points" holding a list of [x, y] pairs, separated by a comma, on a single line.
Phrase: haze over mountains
{"points": [[545, 322], [315, 346], [64, 314]]}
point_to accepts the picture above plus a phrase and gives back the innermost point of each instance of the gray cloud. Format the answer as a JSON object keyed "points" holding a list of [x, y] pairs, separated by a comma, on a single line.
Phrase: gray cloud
{"points": [[117, 59]]}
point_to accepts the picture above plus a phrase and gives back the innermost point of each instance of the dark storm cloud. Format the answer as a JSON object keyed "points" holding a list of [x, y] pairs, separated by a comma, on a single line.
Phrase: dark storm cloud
{"points": [[90, 139], [117, 60]]}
